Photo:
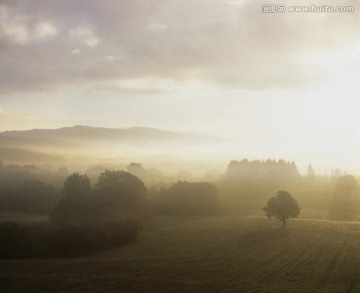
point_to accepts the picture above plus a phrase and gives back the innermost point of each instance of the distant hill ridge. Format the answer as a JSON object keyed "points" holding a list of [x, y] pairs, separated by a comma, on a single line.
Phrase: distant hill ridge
{"points": [[79, 133], [54, 145]]}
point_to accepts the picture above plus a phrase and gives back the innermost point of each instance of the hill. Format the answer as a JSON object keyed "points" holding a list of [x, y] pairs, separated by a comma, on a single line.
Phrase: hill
{"points": [[222, 254], [91, 145], [99, 135], [24, 156]]}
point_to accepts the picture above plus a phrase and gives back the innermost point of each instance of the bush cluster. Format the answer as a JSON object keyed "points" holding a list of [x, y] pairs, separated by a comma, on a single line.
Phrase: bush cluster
{"points": [[18, 241]]}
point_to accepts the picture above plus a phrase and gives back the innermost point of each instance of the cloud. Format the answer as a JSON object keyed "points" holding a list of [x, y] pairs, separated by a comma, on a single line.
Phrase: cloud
{"points": [[213, 42], [10, 115], [76, 51], [13, 27], [157, 26], [45, 30], [85, 35], [18, 28], [109, 57]]}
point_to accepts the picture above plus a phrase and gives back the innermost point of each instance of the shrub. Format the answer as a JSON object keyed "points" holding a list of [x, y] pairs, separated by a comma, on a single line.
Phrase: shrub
{"points": [[18, 241]]}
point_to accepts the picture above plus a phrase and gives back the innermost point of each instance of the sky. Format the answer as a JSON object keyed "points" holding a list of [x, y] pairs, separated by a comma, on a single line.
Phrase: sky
{"points": [[285, 82]]}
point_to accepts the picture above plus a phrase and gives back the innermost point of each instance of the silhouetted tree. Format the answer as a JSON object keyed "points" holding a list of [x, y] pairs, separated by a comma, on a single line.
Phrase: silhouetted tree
{"points": [[189, 198], [17, 241], [116, 193], [282, 206], [77, 185], [310, 172], [121, 190], [77, 205], [246, 184], [37, 195], [345, 204], [257, 169], [337, 173], [137, 169], [13, 175], [69, 212], [30, 196], [45, 241]]}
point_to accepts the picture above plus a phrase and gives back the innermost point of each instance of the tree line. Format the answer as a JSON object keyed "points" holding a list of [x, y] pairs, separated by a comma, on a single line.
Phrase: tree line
{"points": [[90, 218], [111, 211]]}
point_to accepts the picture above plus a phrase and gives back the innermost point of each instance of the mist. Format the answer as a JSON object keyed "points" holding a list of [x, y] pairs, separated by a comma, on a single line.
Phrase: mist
{"points": [[179, 146]]}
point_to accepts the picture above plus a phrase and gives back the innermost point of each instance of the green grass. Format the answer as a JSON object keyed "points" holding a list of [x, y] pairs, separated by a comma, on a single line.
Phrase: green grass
{"points": [[220, 254]]}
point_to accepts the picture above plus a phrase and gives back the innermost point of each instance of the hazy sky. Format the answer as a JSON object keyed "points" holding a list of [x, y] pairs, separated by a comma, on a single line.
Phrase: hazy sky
{"points": [[286, 81]]}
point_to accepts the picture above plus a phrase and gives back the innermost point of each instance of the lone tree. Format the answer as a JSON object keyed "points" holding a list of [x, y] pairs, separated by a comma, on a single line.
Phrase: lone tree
{"points": [[282, 206]]}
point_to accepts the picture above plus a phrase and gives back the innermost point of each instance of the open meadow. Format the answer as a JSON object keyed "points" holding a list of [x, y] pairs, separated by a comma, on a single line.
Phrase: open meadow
{"points": [[217, 254]]}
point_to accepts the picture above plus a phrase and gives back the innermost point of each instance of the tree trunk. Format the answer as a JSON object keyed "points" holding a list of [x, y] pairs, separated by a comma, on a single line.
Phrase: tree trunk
{"points": [[284, 222]]}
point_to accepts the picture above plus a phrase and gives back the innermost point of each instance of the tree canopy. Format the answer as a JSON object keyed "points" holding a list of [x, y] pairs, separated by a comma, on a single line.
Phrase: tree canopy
{"points": [[121, 189], [77, 185], [116, 192], [188, 198], [282, 206], [345, 202]]}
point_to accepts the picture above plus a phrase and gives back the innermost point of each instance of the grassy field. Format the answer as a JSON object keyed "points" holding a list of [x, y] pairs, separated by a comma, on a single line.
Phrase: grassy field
{"points": [[219, 254]]}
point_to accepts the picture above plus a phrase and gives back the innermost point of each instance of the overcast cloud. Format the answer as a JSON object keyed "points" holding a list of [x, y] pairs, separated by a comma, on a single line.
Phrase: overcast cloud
{"points": [[286, 82], [125, 45]]}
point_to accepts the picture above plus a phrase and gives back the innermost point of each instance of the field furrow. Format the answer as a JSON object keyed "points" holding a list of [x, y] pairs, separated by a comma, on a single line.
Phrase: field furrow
{"points": [[228, 254]]}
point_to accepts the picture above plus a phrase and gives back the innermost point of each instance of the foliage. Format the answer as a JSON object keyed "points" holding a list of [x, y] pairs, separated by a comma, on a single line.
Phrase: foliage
{"points": [[116, 193], [257, 169], [188, 198], [137, 169], [310, 172], [77, 205], [77, 185], [70, 241], [30, 196], [345, 204], [121, 190], [12, 176], [70, 211], [246, 184], [17, 241], [282, 206]]}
